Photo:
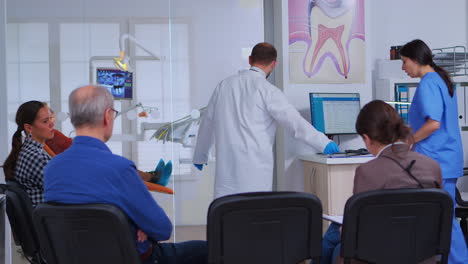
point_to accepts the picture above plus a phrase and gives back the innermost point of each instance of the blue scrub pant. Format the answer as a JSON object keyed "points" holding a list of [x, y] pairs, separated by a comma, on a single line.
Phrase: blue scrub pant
{"points": [[458, 250], [331, 244]]}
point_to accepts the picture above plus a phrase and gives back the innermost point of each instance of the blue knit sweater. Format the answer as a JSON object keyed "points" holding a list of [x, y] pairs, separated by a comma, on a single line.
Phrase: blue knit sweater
{"points": [[88, 172]]}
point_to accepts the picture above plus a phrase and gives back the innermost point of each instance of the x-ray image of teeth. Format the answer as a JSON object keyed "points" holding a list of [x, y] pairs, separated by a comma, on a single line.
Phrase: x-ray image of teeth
{"points": [[326, 41], [119, 83]]}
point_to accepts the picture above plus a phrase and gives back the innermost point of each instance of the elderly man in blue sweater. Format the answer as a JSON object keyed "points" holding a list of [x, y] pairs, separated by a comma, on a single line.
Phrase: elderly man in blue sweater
{"points": [[88, 172]]}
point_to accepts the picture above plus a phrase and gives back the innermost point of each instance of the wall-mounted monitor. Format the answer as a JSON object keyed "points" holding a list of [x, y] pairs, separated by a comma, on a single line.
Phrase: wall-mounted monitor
{"points": [[119, 83], [334, 113]]}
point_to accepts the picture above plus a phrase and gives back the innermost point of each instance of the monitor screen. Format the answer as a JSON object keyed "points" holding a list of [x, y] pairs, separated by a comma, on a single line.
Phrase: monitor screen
{"points": [[334, 113], [119, 83]]}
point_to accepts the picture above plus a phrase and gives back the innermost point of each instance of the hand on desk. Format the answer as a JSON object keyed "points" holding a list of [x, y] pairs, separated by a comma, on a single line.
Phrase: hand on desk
{"points": [[331, 148]]}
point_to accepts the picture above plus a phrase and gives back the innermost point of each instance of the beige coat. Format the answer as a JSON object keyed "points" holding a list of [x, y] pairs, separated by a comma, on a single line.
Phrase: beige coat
{"points": [[384, 173]]}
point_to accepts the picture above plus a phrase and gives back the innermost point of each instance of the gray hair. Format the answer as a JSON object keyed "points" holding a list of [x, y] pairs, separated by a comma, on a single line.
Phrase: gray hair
{"points": [[87, 105]]}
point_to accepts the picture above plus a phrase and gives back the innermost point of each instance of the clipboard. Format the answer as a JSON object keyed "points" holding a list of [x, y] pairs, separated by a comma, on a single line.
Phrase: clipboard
{"points": [[333, 218]]}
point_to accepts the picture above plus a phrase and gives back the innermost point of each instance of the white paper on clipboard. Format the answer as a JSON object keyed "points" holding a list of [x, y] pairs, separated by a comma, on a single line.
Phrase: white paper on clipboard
{"points": [[333, 218]]}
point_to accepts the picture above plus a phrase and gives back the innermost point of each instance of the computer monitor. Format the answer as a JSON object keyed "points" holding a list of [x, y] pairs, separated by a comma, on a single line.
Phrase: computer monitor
{"points": [[119, 83], [334, 113]]}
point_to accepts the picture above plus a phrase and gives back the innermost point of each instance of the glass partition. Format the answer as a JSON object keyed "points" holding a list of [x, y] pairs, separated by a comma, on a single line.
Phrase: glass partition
{"points": [[178, 49], [210, 40]]}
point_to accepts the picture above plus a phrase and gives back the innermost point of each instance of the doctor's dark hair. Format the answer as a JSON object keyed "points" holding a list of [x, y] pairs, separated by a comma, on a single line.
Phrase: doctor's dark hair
{"points": [[419, 52], [263, 53], [381, 122], [26, 114]]}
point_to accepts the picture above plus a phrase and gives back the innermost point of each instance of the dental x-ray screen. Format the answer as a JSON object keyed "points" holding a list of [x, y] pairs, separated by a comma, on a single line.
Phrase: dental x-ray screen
{"points": [[119, 83], [334, 113]]}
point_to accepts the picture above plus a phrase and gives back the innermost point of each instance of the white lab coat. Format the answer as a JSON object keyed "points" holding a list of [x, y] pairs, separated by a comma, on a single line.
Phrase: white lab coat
{"points": [[242, 117]]}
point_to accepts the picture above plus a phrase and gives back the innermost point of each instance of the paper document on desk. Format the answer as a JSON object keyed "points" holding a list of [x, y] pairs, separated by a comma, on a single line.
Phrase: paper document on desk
{"points": [[333, 218]]}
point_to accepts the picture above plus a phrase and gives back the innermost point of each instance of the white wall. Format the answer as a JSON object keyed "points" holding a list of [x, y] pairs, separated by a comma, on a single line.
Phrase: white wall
{"points": [[47, 9], [388, 23], [6, 250], [221, 31], [438, 23], [3, 83]]}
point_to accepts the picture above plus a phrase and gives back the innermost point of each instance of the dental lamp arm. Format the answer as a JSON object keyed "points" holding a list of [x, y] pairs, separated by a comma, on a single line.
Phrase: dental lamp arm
{"points": [[124, 37], [129, 109]]}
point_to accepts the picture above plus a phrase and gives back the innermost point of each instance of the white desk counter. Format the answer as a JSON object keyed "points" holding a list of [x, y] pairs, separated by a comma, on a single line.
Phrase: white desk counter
{"points": [[336, 160], [331, 179]]}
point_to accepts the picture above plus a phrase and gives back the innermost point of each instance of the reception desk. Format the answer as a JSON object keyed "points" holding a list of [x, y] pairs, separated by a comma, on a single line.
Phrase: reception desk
{"points": [[331, 179]]}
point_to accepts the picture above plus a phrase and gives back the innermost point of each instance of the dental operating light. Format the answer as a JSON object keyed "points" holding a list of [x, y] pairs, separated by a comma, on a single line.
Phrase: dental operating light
{"points": [[123, 61]]}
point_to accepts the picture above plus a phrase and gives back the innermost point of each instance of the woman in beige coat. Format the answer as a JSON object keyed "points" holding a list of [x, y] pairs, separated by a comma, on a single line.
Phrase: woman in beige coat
{"points": [[395, 165]]}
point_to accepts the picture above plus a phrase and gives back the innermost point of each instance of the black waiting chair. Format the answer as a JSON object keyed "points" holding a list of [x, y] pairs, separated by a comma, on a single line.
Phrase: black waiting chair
{"points": [[19, 210], [397, 226], [87, 233], [461, 197], [264, 227]]}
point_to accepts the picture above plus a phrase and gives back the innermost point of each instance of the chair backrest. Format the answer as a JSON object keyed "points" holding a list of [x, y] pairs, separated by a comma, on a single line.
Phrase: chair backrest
{"points": [[462, 190], [459, 199], [397, 226], [264, 227], [86, 233], [19, 210]]}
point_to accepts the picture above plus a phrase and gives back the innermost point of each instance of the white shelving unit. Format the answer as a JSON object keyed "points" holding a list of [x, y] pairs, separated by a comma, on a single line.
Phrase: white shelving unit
{"points": [[386, 86]]}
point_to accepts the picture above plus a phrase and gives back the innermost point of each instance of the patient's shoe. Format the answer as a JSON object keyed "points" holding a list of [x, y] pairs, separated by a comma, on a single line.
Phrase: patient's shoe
{"points": [[160, 165], [166, 174], [157, 173]]}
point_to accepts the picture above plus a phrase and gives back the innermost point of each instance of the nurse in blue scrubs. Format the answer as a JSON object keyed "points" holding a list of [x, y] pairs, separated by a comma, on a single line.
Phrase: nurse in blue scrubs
{"points": [[433, 116]]}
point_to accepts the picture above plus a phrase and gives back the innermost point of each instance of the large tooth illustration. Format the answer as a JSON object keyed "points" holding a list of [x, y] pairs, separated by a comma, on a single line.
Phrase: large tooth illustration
{"points": [[328, 40]]}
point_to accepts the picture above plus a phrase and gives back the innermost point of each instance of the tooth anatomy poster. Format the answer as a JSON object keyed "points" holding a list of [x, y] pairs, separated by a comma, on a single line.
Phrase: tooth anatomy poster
{"points": [[326, 41]]}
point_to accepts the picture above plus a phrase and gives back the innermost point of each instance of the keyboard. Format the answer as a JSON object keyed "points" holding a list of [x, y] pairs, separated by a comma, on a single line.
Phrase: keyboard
{"points": [[361, 151], [349, 152]]}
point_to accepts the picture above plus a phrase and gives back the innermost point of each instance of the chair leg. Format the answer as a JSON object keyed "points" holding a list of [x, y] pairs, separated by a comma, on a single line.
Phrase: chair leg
{"points": [[38, 259], [444, 259], [464, 228], [315, 260]]}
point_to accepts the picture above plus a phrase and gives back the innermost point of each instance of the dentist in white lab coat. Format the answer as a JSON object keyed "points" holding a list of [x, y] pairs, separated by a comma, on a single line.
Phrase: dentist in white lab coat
{"points": [[241, 117]]}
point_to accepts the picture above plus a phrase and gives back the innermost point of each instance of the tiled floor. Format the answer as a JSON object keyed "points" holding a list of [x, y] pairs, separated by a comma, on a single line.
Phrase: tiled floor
{"points": [[184, 233], [16, 257]]}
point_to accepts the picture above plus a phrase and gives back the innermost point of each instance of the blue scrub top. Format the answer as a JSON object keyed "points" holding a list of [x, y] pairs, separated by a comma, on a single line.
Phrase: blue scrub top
{"points": [[432, 100]]}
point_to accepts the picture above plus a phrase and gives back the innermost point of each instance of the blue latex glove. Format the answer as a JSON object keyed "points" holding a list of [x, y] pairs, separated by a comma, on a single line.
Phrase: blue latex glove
{"points": [[331, 148], [198, 166], [166, 174]]}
